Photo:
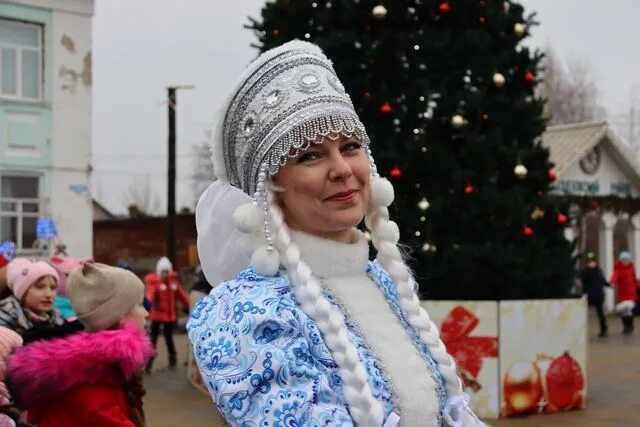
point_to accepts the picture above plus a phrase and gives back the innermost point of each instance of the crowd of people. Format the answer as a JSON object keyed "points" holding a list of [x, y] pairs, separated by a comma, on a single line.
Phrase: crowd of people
{"points": [[76, 337]]}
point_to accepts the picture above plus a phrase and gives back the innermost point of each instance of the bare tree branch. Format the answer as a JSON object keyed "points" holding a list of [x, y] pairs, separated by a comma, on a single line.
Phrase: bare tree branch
{"points": [[571, 93], [202, 173]]}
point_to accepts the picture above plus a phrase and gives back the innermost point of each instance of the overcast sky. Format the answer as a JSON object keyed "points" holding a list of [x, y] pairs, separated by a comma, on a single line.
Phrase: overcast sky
{"points": [[142, 46]]}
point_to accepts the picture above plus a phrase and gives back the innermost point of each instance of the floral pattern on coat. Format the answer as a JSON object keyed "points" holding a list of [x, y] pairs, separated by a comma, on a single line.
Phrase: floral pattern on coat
{"points": [[264, 360]]}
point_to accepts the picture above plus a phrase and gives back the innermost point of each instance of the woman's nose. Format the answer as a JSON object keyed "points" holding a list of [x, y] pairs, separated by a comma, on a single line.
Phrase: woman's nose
{"points": [[340, 167]]}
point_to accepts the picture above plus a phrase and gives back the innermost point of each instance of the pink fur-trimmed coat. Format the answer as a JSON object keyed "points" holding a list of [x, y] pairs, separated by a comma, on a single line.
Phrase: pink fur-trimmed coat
{"points": [[86, 379]]}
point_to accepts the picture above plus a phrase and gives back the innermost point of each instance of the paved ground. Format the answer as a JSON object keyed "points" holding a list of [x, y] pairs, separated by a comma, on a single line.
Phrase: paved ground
{"points": [[613, 381], [171, 400]]}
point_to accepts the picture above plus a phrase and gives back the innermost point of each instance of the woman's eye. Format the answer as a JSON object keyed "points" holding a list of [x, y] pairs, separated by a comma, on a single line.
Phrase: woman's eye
{"points": [[351, 146], [307, 157]]}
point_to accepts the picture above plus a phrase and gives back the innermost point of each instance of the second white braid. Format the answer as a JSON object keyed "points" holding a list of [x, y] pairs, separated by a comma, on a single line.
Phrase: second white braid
{"points": [[365, 409], [391, 260]]}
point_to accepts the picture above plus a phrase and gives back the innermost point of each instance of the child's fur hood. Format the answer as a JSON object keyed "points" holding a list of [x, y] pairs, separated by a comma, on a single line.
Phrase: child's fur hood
{"points": [[43, 369]]}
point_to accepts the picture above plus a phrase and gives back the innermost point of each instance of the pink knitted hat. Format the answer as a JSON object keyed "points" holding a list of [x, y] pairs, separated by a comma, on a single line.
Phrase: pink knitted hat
{"points": [[64, 266], [22, 273], [9, 341]]}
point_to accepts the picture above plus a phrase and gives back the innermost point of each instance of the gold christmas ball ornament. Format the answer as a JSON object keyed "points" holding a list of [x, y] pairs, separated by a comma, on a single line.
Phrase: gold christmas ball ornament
{"points": [[423, 204], [379, 12], [522, 387], [498, 79], [519, 29], [520, 171], [457, 121], [426, 247]]}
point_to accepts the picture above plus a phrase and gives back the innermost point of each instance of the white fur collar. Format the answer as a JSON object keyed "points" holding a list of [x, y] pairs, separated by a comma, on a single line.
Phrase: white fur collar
{"points": [[328, 258], [342, 268]]}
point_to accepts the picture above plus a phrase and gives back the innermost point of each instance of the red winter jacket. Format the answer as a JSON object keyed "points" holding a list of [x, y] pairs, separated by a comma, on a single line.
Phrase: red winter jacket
{"points": [[163, 297], [86, 379], [625, 280]]}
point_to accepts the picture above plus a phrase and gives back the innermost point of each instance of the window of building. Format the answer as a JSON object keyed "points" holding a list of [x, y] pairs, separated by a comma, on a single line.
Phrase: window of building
{"points": [[20, 60], [20, 208]]}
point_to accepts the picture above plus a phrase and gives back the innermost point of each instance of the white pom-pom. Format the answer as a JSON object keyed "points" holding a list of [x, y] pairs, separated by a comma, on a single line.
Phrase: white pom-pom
{"points": [[381, 192], [265, 262], [248, 218], [388, 230]]}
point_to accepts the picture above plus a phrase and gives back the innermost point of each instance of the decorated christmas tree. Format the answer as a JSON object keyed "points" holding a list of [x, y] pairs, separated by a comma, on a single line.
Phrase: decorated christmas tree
{"points": [[446, 90]]}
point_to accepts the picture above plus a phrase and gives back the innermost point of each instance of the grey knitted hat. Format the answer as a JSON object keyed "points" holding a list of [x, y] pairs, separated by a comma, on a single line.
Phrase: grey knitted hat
{"points": [[102, 295]]}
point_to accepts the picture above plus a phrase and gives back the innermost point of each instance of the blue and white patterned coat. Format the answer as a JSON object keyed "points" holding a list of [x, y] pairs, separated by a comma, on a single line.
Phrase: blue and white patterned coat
{"points": [[264, 360]]}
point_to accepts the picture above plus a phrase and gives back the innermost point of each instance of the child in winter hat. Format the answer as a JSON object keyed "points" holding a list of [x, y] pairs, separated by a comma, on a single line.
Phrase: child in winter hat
{"points": [[9, 341], [625, 256], [34, 285], [163, 264], [98, 374], [22, 274], [102, 296]]}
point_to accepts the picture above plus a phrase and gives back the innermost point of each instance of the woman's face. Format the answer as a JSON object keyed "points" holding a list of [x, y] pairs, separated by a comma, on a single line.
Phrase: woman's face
{"points": [[326, 188], [41, 295]]}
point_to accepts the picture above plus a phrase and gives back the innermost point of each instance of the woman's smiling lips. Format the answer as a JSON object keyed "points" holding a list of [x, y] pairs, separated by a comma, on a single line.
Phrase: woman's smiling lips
{"points": [[343, 197]]}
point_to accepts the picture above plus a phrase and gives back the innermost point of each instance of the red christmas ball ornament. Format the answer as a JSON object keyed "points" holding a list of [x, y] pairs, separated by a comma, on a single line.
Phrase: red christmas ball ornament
{"points": [[552, 175], [444, 7], [529, 78], [395, 173], [468, 189], [565, 382], [386, 110], [561, 219], [527, 231], [522, 387]]}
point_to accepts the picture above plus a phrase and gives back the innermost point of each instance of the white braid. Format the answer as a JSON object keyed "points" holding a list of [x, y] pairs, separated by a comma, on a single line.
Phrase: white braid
{"points": [[384, 236], [363, 407]]}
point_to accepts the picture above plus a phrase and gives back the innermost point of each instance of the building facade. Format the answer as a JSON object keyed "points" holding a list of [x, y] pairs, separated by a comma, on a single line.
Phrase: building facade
{"points": [[599, 175], [45, 123], [141, 241]]}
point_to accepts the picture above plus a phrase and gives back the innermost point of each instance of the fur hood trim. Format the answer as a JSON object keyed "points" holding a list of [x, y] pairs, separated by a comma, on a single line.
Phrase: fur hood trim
{"points": [[43, 369]]}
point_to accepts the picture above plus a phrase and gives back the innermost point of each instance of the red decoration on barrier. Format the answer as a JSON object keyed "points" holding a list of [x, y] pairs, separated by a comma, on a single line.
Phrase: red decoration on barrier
{"points": [[466, 350]]}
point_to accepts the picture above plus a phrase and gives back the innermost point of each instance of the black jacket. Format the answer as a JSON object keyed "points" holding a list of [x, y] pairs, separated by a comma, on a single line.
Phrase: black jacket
{"points": [[593, 283]]}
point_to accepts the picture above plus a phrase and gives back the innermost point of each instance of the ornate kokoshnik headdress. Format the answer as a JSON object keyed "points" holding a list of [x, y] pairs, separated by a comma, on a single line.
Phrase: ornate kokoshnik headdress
{"points": [[288, 99]]}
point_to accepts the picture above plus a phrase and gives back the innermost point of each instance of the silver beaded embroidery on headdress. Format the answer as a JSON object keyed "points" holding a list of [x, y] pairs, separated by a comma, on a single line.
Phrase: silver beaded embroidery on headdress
{"points": [[289, 102]]}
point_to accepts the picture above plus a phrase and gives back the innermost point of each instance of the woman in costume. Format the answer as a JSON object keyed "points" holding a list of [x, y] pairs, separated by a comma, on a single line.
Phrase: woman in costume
{"points": [[312, 332]]}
